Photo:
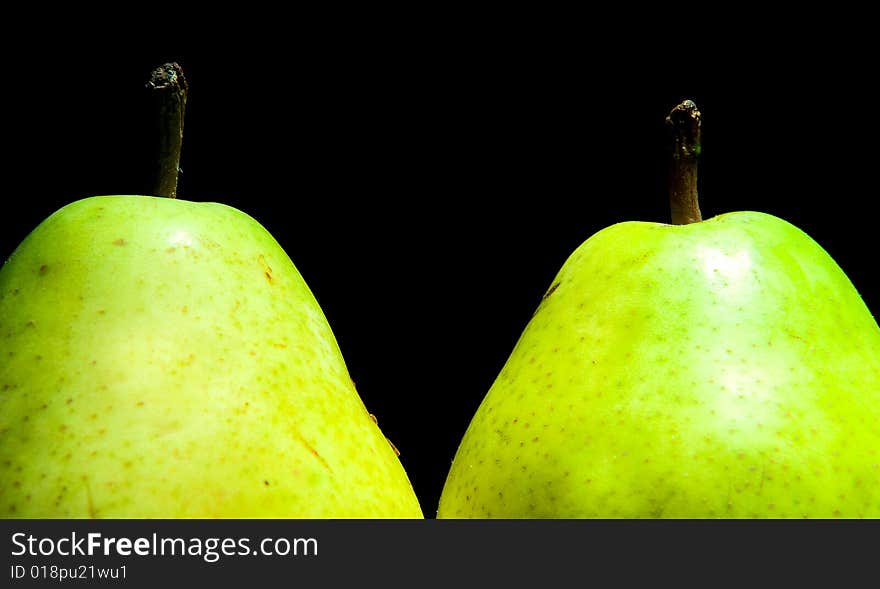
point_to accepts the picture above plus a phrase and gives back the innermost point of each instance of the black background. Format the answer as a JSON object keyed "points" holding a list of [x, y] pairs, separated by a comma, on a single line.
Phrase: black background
{"points": [[428, 183]]}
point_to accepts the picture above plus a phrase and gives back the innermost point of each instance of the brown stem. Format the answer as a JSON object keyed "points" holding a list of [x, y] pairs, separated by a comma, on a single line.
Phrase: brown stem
{"points": [[168, 87], [684, 120]]}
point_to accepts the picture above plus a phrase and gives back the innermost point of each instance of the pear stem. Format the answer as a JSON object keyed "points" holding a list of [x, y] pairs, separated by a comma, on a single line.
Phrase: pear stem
{"points": [[684, 122], [168, 88]]}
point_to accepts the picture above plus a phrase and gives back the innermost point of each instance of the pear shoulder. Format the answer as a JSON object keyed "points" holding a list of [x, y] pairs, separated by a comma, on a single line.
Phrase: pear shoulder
{"points": [[124, 205], [765, 253], [745, 233]]}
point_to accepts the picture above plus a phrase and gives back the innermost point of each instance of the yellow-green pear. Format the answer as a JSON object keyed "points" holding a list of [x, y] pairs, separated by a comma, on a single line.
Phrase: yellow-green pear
{"points": [[162, 358], [707, 369]]}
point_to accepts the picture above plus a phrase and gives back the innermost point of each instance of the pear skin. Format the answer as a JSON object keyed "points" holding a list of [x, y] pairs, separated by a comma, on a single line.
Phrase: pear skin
{"points": [[165, 359], [721, 369]]}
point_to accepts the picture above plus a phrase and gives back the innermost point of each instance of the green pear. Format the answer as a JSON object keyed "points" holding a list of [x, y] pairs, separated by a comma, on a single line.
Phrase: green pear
{"points": [[165, 359], [720, 368]]}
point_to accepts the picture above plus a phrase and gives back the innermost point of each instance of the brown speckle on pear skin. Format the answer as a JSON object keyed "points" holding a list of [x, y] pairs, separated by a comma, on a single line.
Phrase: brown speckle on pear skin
{"points": [[119, 241], [312, 450], [267, 269], [43, 269]]}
